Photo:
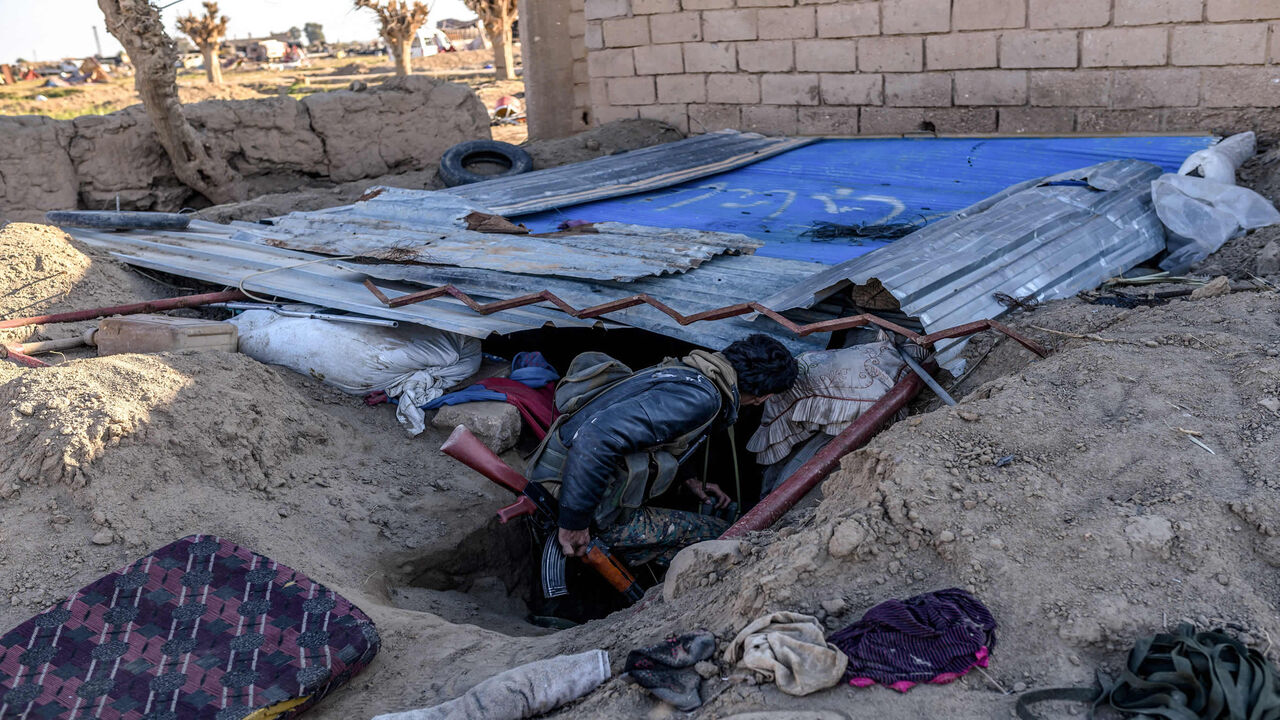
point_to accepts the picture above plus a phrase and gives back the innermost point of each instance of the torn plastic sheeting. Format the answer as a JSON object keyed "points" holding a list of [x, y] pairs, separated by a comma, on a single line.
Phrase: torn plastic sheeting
{"points": [[1220, 162], [433, 228], [1044, 239], [1202, 215]]}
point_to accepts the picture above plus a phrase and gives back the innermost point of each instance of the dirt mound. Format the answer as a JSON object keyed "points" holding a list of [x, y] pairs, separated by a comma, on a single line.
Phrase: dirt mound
{"points": [[608, 139], [42, 270], [106, 458], [1104, 523]]}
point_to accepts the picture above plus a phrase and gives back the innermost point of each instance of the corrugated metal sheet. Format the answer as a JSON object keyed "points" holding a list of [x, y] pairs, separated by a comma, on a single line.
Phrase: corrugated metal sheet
{"points": [[1045, 239], [718, 282], [864, 181], [430, 227], [636, 171], [208, 252]]}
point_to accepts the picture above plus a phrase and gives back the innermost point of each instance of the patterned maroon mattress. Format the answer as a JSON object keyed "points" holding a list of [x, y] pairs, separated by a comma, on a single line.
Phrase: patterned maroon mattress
{"points": [[201, 628]]}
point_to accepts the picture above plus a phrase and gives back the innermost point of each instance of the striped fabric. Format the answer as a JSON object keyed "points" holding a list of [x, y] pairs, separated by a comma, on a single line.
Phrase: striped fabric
{"points": [[932, 638], [201, 628]]}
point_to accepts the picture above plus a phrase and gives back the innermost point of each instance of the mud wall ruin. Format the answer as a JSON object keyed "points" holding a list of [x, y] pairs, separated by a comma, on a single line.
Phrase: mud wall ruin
{"points": [[277, 144], [868, 67]]}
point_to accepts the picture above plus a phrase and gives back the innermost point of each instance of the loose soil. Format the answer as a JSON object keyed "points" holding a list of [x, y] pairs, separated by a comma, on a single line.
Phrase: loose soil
{"points": [[1108, 523]]}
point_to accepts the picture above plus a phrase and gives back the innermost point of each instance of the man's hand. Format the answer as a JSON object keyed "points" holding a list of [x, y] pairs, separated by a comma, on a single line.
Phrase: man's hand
{"points": [[574, 542], [710, 489]]}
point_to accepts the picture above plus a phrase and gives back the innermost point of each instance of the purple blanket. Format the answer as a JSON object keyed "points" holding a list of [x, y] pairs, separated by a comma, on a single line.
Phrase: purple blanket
{"points": [[930, 638], [201, 628]]}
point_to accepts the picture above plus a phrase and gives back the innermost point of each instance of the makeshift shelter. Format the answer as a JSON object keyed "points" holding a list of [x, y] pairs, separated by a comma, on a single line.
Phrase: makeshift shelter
{"points": [[699, 187]]}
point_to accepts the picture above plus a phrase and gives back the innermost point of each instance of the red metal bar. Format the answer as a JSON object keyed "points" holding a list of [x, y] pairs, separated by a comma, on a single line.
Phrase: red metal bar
{"points": [[785, 496], [184, 301], [730, 311], [21, 358]]}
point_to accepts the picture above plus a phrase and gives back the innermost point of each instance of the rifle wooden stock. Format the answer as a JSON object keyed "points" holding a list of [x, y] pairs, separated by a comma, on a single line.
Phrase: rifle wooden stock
{"points": [[523, 506], [468, 450], [612, 571]]}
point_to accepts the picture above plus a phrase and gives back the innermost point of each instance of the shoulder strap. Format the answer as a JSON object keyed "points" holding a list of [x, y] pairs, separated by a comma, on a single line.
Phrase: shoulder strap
{"points": [[1064, 694]]}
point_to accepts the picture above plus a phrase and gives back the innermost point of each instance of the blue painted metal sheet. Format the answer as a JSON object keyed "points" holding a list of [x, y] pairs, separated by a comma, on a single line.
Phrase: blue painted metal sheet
{"points": [[861, 181]]}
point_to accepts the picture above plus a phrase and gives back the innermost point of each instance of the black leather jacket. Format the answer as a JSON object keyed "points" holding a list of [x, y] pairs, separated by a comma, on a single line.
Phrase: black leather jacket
{"points": [[637, 414]]}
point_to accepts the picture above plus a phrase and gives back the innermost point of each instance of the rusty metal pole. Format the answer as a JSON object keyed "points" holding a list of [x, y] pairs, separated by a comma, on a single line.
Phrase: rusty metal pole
{"points": [[777, 503], [184, 301], [21, 358]]}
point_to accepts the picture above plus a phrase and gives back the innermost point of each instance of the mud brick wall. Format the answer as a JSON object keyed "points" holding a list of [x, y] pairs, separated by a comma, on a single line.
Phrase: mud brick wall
{"points": [[868, 67], [276, 144]]}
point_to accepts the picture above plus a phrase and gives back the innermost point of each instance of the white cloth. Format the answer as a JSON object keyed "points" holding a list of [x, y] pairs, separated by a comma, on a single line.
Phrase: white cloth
{"points": [[833, 388], [791, 650], [524, 692], [415, 364]]}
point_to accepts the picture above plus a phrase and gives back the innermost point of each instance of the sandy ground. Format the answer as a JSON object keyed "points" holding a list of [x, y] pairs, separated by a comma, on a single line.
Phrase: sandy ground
{"points": [[1109, 524], [254, 81]]}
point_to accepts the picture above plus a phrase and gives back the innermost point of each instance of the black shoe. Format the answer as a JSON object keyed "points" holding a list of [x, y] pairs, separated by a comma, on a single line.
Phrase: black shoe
{"points": [[675, 652], [678, 687]]}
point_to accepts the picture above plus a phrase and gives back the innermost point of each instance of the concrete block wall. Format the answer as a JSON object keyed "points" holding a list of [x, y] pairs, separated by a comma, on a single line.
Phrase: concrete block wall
{"points": [[581, 111], [853, 67]]}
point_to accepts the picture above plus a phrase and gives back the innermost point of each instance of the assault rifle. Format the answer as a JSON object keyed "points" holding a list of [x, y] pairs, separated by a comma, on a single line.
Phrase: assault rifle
{"points": [[534, 500]]}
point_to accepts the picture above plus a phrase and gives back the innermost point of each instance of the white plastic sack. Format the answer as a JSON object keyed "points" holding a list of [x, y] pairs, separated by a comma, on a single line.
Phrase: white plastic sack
{"points": [[1200, 215], [415, 365], [1220, 162]]}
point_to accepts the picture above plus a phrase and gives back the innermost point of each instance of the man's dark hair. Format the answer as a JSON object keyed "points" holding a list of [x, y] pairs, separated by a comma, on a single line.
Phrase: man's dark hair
{"points": [[764, 365]]}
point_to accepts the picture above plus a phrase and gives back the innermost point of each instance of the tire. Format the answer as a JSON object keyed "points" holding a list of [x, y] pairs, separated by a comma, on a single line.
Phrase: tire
{"points": [[453, 165], [112, 220]]}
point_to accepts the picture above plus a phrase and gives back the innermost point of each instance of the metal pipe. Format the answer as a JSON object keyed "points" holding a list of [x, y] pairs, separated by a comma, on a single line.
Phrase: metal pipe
{"points": [[184, 301], [777, 503], [925, 376], [35, 348], [331, 317]]}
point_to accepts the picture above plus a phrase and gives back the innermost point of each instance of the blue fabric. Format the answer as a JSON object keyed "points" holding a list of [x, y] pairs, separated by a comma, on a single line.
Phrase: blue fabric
{"points": [[474, 393], [528, 368], [535, 377], [862, 181], [532, 360]]}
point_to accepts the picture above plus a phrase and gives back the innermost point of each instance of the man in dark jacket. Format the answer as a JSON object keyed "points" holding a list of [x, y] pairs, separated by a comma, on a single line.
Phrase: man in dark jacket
{"points": [[623, 448]]}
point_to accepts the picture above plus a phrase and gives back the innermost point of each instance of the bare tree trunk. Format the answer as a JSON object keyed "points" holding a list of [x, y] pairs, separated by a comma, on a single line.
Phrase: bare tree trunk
{"points": [[137, 25], [403, 51], [212, 67], [504, 54]]}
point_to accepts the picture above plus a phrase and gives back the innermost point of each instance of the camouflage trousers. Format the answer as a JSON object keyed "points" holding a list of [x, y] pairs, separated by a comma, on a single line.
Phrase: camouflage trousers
{"points": [[657, 534]]}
